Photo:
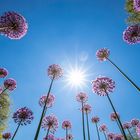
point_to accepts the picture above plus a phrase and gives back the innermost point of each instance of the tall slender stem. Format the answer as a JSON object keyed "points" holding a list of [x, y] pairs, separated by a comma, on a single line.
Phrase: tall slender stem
{"points": [[48, 132], [3, 91], [124, 74], [44, 108], [119, 126], [84, 136], [97, 131], [66, 133], [16, 131], [88, 126], [119, 121], [130, 134], [105, 135]]}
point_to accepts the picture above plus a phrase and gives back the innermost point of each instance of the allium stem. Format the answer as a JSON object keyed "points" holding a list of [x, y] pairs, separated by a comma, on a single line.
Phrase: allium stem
{"points": [[66, 133], [16, 131], [130, 134], [124, 74], [88, 126], [84, 136], [44, 110], [3, 91], [105, 135], [119, 121], [97, 131], [48, 132], [119, 126]]}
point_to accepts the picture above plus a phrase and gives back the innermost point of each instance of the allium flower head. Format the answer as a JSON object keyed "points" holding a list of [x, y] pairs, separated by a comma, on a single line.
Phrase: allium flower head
{"points": [[103, 85], [66, 124], [82, 97], [135, 122], [132, 34], [95, 119], [14, 25], [23, 116], [118, 137], [102, 54], [136, 4], [87, 108], [127, 125], [55, 71], [6, 136], [110, 136], [3, 72], [138, 130], [69, 137], [103, 128], [50, 122], [50, 137], [50, 101], [114, 117], [10, 84]]}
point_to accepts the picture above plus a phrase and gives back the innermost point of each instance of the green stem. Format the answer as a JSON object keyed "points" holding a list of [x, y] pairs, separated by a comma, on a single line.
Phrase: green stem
{"points": [[124, 74], [119, 121], [48, 132], [130, 134], [43, 111], [66, 134], [97, 131], [84, 136], [88, 126], [16, 131], [105, 135], [119, 126]]}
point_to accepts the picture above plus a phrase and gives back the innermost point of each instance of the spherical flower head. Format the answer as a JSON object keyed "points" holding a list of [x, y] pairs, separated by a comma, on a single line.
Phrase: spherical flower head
{"points": [[69, 137], [136, 4], [66, 124], [118, 137], [50, 137], [87, 108], [95, 119], [55, 71], [23, 116], [113, 116], [82, 97], [50, 101], [103, 85], [127, 125], [6, 136], [138, 130], [14, 25], [103, 128], [50, 122], [134, 122], [3, 72], [110, 136], [132, 34], [10, 84], [102, 54]]}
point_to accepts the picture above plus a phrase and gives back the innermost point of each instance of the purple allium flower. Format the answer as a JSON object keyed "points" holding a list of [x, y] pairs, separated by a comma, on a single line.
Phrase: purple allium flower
{"points": [[95, 119], [136, 5], [3, 72], [127, 125], [59, 139], [69, 137], [102, 54], [55, 71], [10, 84], [82, 97], [6, 136], [66, 124], [50, 122], [113, 116], [23, 116], [13, 25], [87, 108], [110, 136], [138, 130], [103, 128], [50, 137], [118, 137], [132, 34], [50, 101], [103, 85], [135, 122]]}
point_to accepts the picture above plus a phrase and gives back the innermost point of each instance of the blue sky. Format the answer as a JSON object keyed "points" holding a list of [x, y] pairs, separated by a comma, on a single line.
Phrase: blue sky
{"points": [[61, 32]]}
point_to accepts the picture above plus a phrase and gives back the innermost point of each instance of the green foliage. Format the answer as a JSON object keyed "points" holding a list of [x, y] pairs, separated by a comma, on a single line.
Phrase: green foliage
{"points": [[4, 111], [133, 16]]}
